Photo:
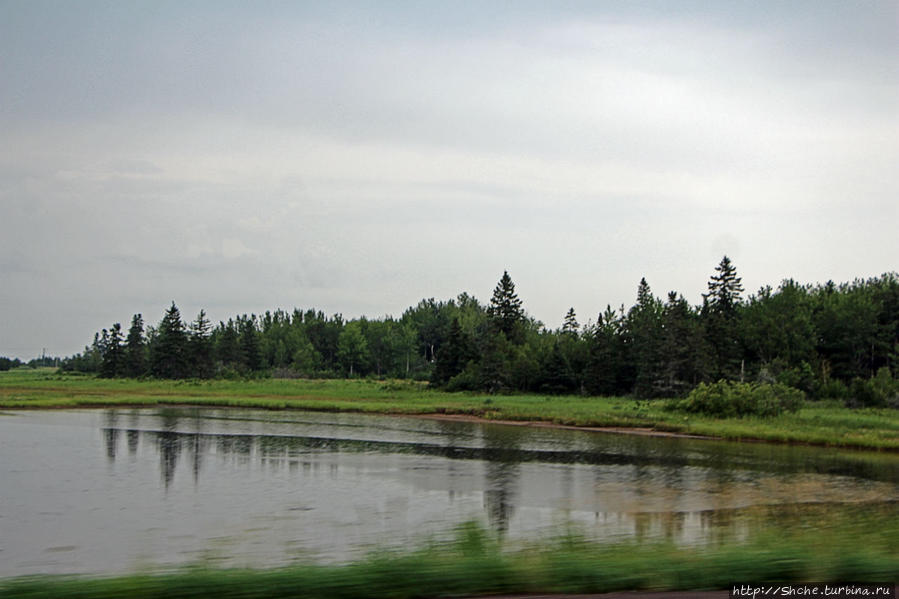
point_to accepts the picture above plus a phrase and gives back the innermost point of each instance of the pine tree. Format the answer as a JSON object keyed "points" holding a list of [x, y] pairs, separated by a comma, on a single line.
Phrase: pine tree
{"points": [[644, 324], [227, 345], [200, 347], [601, 373], [505, 313], [724, 289], [112, 363], [168, 353], [135, 350], [721, 319], [570, 326], [556, 373], [683, 352], [249, 343]]}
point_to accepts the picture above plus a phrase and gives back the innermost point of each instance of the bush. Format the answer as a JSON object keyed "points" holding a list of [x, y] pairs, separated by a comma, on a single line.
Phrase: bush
{"points": [[833, 389], [879, 391], [727, 399]]}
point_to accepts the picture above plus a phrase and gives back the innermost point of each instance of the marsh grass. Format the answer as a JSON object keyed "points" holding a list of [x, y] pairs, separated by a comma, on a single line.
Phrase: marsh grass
{"points": [[817, 423]]}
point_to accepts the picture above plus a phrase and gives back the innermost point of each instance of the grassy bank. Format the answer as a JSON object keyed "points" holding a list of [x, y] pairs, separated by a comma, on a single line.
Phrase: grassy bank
{"points": [[475, 564], [816, 423]]}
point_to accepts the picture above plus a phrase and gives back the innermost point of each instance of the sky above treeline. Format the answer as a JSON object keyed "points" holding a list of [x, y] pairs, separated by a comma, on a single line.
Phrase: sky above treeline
{"points": [[357, 157]]}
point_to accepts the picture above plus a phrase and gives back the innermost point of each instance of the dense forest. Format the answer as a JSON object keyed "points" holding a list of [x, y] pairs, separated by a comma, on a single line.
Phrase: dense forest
{"points": [[830, 341]]}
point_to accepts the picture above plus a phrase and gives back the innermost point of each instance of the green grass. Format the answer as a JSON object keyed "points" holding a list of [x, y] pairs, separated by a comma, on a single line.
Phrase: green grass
{"points": [[474, 563], [817, 423]]}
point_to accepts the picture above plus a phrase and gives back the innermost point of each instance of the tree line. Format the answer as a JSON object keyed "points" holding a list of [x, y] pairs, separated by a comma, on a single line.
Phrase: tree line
{"points": [[830, 341]]}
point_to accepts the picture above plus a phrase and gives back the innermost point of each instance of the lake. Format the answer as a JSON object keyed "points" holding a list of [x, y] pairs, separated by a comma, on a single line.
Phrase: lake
{"points": [[108, 491]]}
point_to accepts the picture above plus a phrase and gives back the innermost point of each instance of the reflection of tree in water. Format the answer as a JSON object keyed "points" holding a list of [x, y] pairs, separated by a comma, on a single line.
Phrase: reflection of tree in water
{"points": [[195, 446], [168, 443], [456, 434], [133, 433], [111, 434], [502, 472]]}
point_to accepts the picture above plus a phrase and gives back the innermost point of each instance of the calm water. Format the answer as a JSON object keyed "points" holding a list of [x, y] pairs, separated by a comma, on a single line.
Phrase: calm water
{"points": [[118, 490]]}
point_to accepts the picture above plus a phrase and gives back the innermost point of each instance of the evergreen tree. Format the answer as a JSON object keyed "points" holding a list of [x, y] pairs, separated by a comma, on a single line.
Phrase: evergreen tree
{"points": [[493, 370], [453, 356], [570, 326], [601, 373], [113, 363], [556, 375], [135, 349], [168, 353], [249, 343], [200, 347], [644, 328], [721, 318], [227, 345], [505, 312], [682, 349]]}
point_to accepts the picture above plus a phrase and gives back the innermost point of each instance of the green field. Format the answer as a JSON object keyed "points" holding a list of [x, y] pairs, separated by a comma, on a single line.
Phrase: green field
{"points": [[818, 423]]}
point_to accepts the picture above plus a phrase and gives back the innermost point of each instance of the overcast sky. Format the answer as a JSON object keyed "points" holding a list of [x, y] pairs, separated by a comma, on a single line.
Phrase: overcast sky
{"points": [[357, 157]]}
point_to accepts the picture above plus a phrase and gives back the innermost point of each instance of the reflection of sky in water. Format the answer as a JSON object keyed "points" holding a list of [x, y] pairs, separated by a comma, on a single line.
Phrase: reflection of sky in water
{"points": [[113, 490]]}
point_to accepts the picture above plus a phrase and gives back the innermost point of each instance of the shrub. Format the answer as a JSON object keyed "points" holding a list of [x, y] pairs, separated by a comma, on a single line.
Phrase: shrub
{"points": [[833, 389], [727, 399], [878, 391]]}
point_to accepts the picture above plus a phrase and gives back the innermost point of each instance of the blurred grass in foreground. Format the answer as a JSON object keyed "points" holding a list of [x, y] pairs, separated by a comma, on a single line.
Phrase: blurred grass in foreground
{"points": [[474, 563]]}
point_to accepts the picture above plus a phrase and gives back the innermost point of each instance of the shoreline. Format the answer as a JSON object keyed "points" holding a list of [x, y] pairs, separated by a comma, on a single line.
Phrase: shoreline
{"points": [[618, 430], [472, 418]]}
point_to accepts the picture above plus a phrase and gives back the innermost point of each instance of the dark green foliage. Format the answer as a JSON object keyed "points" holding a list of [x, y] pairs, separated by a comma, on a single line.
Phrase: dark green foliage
{"points": [[227, 346], [135, 349], [168, 352], [494, 369], [352, 348], [199, 347], [556, 374], [721, 318], [251, 355], [643, 330], [726, 399], [113, 354], [684, 354], [819, 339], [454, 355], [570, 325], [881, 390], [505, 313], [602, 370], [8, 364]]}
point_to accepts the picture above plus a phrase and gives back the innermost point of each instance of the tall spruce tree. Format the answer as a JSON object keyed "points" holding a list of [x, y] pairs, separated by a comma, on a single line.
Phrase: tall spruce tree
{"points": [[168, 353], [644, 325], [135, 349], [249, 343], [570, 326], [113, 363], [505, 313], [720, 315], [200, 347], [601, 376], [683, 355]]}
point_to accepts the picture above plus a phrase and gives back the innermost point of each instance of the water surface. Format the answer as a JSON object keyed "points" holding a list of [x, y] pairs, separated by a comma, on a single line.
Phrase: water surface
{"points": [[117, 490]]}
